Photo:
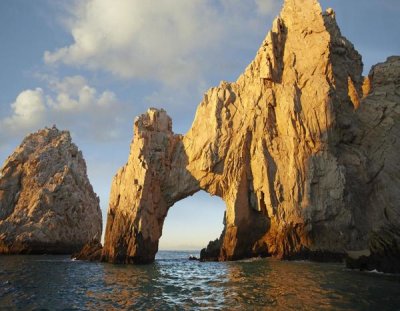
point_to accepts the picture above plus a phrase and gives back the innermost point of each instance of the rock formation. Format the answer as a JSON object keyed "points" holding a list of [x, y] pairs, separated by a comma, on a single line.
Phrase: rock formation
{"points": [[90, 252], [302, 149], [47, 204], [376, 155], [154, 178]]}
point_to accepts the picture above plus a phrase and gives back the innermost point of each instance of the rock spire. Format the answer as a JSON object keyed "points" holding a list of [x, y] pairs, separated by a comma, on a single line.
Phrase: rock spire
{"points": [[47, 204]]}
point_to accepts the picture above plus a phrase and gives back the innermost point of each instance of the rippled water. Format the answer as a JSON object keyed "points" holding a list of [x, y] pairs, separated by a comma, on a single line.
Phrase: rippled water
{"points": [[175, 283]]}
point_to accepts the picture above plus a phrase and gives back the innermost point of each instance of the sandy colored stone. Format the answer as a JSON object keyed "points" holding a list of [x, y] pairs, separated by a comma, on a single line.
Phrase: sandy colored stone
{"points": [[47, 204], [285, 146]]}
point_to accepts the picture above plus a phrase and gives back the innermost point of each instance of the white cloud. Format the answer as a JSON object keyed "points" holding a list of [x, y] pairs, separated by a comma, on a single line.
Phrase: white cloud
{"points": [[167, 41], [28, 110], [185, 45], [70, 103], [68, 84], [74, 95]]}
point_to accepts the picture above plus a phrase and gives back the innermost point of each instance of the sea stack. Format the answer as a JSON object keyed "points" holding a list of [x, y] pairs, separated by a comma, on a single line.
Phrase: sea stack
{"points": [[302, 148], [47, 204]]}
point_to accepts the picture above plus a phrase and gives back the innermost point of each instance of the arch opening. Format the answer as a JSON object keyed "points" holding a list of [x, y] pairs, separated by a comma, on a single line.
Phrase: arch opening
{"points": [[192, 223]]}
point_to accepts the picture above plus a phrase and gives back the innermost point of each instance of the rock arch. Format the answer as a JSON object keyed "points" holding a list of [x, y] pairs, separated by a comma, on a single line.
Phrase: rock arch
{"points": [[283, 146], [249, 144], [157, 176]]}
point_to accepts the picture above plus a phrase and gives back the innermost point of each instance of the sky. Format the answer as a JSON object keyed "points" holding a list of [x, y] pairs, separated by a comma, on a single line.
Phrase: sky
{"points": [[91, 66]]}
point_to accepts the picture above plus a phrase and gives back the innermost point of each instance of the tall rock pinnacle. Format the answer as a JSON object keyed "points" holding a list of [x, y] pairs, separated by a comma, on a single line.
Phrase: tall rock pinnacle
{"points": [[47, 204], [283, 146]]}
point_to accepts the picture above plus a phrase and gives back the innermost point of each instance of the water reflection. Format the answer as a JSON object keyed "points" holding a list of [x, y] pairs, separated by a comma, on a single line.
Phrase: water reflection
{"points": [[168, 284], [119, 287], [173, 282], [271, 284]]}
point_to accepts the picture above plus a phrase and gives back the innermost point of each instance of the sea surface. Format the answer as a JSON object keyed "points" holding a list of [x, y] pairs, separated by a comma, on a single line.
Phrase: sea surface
{"points": [[175, 283]]}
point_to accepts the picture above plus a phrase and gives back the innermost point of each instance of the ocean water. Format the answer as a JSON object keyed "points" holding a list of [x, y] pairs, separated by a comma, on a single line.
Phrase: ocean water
{"points": [[175, 283]]}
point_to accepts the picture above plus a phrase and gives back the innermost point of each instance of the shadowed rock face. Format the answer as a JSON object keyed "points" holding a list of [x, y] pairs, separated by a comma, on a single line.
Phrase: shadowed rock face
{"points": [[47, 204], [286, 146], [376, 149], [90, 252]]}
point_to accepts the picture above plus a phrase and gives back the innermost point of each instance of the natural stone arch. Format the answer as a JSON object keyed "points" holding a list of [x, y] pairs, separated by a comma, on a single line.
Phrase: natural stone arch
{"points": [[154, 179], [252, 143], [143, 190], [285, 148]]}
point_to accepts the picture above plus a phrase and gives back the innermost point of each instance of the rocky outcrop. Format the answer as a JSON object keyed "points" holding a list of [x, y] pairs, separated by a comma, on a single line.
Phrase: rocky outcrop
{"points": [[47, 204], [211, 252], [154, 178], [90, 252], [377, 134], [287, 146]]}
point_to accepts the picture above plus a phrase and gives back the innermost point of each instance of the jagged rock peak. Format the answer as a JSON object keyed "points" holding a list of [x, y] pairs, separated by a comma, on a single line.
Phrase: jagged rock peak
{"points": [[47, 204], [284, 146], [154, 120], [386, 73], [301, 11]]}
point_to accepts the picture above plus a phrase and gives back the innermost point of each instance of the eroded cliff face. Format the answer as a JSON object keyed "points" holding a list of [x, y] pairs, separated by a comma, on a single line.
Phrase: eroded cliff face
{"points": [[286, 146], [47, 204], [376, 152], [154, 178], [272, 156]]}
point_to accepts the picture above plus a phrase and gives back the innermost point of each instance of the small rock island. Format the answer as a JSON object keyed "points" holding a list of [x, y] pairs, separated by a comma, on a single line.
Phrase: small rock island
{"points": [[47, 204]]}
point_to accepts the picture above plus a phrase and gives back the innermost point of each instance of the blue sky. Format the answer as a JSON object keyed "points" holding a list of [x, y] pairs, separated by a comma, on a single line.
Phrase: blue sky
{"points": [[91, 66]]}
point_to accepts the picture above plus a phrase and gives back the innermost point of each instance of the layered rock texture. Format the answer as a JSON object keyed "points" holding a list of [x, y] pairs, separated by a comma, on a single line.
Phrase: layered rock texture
{"points": [[91, 251], [47, 204], [375, 159], [302, 149]]}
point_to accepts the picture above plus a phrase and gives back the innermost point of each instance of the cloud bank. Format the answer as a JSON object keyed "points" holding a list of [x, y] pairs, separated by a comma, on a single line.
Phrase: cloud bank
{"points": [[69, 103], [170, 41], [178, 47]]}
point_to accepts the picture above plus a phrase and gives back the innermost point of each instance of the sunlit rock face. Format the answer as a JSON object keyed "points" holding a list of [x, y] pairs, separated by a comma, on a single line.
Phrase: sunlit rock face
{"points": [[287, 147], [154, 178], [47, 204]]}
